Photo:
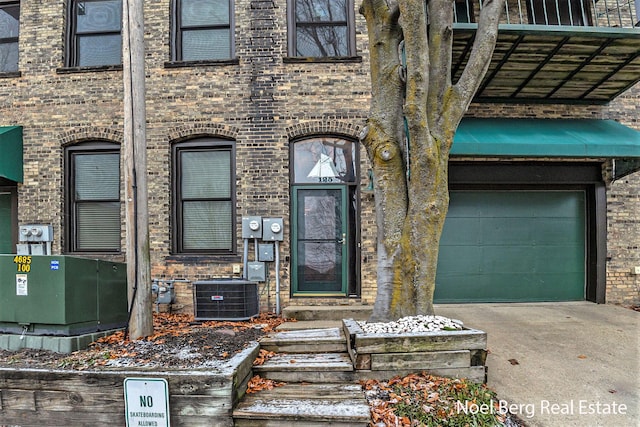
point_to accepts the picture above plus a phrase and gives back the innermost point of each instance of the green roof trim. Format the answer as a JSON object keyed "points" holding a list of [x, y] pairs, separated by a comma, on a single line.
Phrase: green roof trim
{"points": [[11, 153], [546, 138]]}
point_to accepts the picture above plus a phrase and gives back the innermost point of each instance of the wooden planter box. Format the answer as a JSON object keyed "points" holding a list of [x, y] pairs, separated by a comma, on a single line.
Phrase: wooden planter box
{"points": [[453, 354], [198, 397]]}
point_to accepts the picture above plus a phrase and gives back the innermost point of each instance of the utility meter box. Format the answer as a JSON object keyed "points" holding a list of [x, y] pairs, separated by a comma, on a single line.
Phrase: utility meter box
{"points": [[265, 252], [36, 233], [273, 229], [251, 227], [256, 272], [61, 295]]}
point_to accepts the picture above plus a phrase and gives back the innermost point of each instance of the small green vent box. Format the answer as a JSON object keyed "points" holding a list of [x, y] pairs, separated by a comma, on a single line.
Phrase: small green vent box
{"points": [[61, 295]]}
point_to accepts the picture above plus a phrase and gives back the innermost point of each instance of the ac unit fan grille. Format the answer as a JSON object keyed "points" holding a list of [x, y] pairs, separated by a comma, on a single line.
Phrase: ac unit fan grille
{"points": [[226, 300]]}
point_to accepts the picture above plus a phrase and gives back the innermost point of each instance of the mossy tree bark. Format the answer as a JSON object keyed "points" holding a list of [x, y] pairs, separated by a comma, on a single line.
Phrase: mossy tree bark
{"points": [[411, 173]]}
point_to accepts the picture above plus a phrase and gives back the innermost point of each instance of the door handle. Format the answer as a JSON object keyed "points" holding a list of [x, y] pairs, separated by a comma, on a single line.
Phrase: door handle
{"points": [[343, 240]]}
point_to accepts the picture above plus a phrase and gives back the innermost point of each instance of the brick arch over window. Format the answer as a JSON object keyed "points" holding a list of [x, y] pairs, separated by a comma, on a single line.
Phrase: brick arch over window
{"points": [[318, 127], [90, 133], [203, 196], [196, 130]]}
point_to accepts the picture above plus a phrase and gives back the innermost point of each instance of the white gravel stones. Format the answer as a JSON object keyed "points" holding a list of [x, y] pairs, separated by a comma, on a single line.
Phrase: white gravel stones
{"points": [[412, 324]]}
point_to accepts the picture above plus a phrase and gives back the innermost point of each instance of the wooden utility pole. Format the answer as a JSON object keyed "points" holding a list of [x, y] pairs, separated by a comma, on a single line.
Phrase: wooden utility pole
{"points": [[135, 171]]}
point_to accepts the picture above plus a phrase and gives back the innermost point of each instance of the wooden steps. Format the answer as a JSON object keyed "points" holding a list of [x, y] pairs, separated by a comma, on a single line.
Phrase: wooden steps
{"points": [[308, 367], [328, 340], [332, 312], [304, 405], [320, 387]]}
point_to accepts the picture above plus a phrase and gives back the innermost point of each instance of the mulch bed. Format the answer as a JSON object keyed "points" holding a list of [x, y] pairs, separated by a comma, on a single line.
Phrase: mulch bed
{"points": [[178, 342]]}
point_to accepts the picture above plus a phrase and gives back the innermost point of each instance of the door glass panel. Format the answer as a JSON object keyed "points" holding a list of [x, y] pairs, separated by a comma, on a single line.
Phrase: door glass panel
{"points": [[320, 248]]}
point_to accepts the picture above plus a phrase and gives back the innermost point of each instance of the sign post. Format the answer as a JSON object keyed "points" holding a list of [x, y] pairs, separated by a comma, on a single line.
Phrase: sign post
{"points": [[146, 402]]}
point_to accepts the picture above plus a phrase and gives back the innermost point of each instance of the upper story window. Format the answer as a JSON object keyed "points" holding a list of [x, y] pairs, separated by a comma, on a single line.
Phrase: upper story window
{"points": [[204, 197], [321, 28], [95, 28], [93, 197], [9, 30], [203, 30]]}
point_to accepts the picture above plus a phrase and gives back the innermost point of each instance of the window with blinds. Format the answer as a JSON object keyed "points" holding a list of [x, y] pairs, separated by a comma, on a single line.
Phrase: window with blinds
{"points": [[93, 195], [95, 33], [203, 30], [204, 197]]}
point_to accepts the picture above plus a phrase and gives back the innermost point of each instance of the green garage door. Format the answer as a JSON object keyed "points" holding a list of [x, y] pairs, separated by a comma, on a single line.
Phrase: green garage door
{"points": [[512, 246]]}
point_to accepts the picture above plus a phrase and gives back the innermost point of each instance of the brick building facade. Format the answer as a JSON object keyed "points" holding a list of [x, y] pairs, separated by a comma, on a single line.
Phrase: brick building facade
{"points": [[259, 101]]}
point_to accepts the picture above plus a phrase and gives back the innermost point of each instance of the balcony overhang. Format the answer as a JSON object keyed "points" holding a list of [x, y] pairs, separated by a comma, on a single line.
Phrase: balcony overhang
{"points": [[554, 64], [11, 149], [550, 138]]}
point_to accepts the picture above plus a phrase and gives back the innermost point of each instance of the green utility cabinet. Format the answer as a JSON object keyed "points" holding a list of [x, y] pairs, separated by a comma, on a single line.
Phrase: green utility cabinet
{"points": [[61, 295]]}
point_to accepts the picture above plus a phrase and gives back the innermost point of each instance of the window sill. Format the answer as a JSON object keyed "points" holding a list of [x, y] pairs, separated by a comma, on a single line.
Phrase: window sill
{"points": [[203, 258], [10, 74], [74, 70], [185, 64], [323, 60], [111, 256]]}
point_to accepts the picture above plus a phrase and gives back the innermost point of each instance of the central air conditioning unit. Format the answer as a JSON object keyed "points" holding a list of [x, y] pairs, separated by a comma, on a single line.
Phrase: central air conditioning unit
{"points": [[226, 299]]}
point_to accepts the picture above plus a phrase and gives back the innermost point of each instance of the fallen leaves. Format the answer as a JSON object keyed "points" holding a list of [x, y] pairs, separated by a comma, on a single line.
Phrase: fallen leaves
{"points": [[269, 321], [263, 356], [257, 383], [425, 400], [178, 342]]}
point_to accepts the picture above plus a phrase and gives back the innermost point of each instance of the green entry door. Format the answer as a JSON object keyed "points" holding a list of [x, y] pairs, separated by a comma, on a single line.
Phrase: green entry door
{"points": [[319, 241], [513, 246], [6, 224]]}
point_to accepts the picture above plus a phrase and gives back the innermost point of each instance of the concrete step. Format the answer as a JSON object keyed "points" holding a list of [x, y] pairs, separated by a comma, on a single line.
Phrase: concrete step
{"points": [[303, 312], [308, 367], [306, 341], [304, 405]]}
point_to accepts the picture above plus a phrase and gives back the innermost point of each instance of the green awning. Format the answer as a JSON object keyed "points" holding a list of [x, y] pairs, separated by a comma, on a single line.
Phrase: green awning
{"points": [[546, 138], [11, 153]]}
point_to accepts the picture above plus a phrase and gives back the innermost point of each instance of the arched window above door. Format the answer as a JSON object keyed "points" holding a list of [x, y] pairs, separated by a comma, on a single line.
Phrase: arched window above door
{"points": [[324, 160]]}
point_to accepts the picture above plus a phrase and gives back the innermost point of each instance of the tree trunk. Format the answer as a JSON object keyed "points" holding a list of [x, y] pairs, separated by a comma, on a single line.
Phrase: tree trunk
{"points": [[410, 162]]}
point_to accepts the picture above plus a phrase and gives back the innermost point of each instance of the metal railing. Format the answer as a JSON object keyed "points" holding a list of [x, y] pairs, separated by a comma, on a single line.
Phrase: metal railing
{"points": [[575, 13]]}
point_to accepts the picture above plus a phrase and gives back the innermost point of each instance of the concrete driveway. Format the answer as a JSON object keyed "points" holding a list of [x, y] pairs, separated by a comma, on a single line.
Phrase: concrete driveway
{"points": [[561, 364]]}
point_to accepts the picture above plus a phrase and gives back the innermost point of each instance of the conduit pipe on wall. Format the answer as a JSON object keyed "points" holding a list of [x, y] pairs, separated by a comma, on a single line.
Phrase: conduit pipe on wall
{"points": [[277, 277]]}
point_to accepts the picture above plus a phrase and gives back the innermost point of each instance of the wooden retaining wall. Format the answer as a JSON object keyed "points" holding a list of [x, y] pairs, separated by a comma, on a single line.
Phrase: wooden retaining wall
{"points": [[36, 397], [453, 354]]}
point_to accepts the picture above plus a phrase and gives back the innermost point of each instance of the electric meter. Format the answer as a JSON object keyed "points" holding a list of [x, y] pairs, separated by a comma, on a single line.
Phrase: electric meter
{"points": [[251, 227], [273, 230]]}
